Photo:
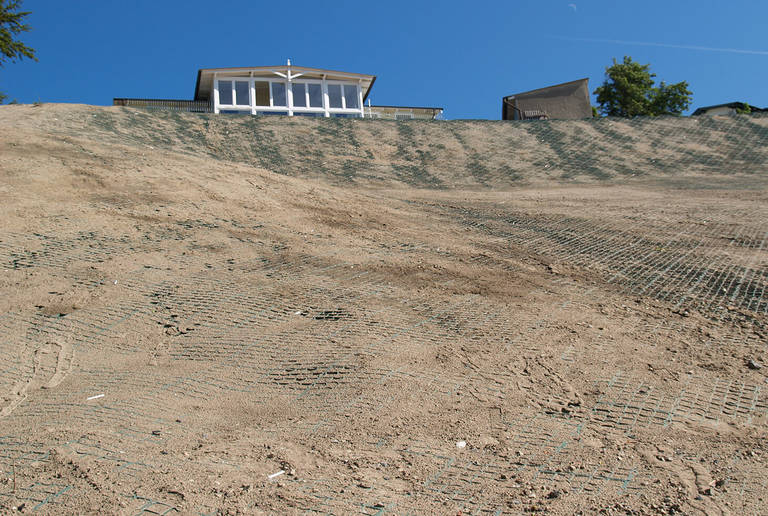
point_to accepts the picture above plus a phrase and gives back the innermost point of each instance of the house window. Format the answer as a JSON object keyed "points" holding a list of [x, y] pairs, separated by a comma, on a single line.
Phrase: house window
{"points": [[334, 96], [299, 95], [350, 96], [315, 95], [241, 93], [278, 94], [262, 94], [225, 92], [261, 89]]}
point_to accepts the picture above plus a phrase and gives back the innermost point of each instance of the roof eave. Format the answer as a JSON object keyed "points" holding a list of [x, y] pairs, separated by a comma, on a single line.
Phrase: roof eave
{"points": [[368, 91], [546, 88]]}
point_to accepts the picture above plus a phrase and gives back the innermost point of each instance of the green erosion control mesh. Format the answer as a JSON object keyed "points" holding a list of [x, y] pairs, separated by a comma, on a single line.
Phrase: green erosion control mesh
{"points": [[333, 362], [440, 154], [363, 361]]}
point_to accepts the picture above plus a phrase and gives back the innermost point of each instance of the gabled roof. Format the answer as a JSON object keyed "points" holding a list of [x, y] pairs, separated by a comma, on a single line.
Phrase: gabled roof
{"points": [[732, 105], [542, 90], [566, 101], [204, 84]]}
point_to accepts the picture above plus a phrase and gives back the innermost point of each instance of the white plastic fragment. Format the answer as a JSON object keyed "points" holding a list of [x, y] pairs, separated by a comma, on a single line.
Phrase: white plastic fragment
{"points": [[274, 475], [95, 397], [461, 444]]}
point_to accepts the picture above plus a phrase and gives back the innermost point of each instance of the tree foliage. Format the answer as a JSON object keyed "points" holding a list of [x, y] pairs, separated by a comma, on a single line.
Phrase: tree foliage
{"points": [[12, 24], [629, 90]]}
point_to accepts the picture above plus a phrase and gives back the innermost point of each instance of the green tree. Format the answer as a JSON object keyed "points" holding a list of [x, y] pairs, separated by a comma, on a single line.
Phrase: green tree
{"points": [[12, 24], [629, 90]]}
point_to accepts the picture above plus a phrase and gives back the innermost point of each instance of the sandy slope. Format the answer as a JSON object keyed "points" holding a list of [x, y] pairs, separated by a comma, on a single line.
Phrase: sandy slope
{"points": [[189, 308]]}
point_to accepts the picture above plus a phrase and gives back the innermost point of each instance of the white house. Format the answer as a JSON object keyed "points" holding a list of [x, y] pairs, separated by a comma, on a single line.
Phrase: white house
{"points": [[284, 90]]}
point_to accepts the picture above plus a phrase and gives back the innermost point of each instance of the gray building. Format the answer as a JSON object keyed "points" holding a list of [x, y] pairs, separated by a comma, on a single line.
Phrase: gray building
{"points": [[731, 108], [567, 101]]}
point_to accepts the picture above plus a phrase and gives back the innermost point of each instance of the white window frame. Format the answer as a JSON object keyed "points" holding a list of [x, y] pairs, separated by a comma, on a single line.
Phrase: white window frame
{"points": [[344, 108], [272, 95], [308, 108], [326, 110], [253, 82]]}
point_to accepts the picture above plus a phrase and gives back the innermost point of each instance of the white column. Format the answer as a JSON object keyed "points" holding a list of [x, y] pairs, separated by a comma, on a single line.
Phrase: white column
{"points": [[252, 87], [360, 98], [326, 100], [289, 95], [215, 94]]}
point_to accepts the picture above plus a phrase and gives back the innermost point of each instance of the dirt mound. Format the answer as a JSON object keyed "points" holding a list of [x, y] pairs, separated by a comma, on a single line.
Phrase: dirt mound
{"points": [[222, 315]]}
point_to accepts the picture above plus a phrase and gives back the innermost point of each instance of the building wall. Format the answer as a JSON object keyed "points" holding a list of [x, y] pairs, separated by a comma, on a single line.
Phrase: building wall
{"points": [[723, 110], [402, 113]]}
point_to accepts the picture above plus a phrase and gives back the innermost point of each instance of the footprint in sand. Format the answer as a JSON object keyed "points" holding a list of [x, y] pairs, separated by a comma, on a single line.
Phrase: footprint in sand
{"points": [[52, 362]]}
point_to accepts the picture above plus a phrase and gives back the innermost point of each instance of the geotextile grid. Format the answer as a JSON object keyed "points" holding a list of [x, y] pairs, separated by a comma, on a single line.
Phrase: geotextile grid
{"points": [[702, 264], [338, 342], [444, 154]]}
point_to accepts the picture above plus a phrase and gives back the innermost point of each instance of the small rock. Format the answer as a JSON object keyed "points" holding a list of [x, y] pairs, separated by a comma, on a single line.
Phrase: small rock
{"points": [[554, 494], [754, 365], [461, 444]]}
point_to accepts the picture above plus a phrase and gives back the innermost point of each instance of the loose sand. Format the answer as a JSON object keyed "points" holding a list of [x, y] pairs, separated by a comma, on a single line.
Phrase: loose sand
{"points": [[193, 332]]}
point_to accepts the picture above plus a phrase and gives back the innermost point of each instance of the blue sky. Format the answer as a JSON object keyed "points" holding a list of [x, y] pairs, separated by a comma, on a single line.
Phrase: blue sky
{"points": [[463, 56]]}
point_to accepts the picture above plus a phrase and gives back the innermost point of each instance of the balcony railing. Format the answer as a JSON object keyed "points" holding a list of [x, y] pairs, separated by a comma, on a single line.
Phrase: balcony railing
{"points": [[188, 106], [204, 106]]}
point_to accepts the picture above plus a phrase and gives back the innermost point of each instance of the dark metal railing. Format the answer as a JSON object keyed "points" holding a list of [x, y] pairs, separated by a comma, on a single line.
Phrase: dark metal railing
{"points": [[189, 106]]}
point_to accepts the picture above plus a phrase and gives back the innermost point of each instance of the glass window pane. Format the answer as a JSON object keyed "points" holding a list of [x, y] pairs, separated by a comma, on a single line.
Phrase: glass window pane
{"points": [[315, 95], [278, 94], [299, 95], [225, 92], [241, 93], [262, 93], [334, 95], [350, 96]]}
